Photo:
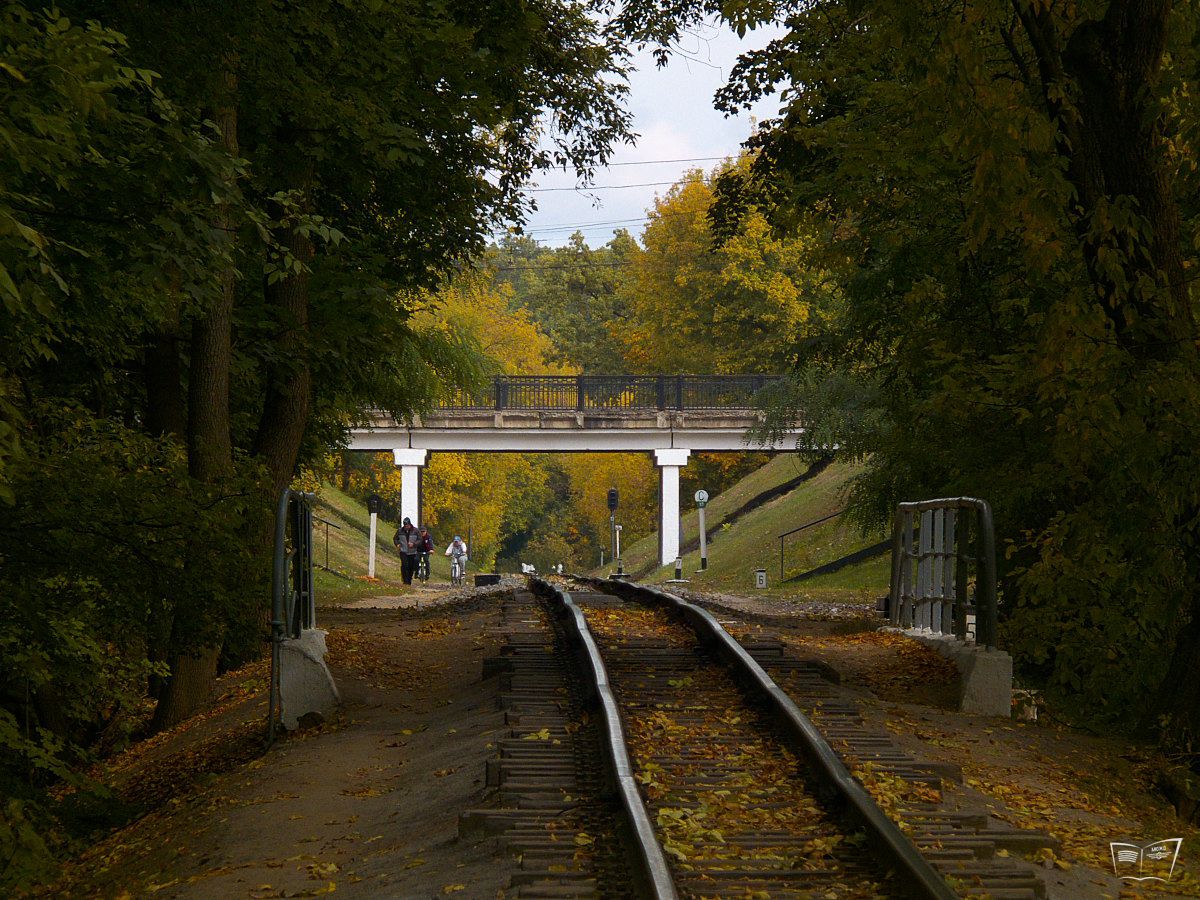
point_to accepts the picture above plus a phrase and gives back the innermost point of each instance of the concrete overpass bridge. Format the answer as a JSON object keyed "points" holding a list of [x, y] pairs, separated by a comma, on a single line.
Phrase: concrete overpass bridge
{"points": [[670, 416]]}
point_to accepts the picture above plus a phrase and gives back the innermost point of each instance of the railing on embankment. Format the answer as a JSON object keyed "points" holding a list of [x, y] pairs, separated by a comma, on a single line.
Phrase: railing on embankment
{"points": [[584, 393]]}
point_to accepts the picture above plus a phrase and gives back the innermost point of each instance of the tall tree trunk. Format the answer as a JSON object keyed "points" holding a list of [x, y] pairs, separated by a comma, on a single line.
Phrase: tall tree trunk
{"points": [[1099, 85], [190, 684], [285, 411], [163, 372], [210, 442]]}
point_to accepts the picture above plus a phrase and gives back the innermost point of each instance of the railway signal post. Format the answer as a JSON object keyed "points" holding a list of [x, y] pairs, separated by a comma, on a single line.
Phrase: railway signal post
{"points": [[701, 502]]}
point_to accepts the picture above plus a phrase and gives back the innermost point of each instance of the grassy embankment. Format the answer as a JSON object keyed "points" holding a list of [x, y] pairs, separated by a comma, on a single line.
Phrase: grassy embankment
{"points": [[752, 541], [348, 552]]}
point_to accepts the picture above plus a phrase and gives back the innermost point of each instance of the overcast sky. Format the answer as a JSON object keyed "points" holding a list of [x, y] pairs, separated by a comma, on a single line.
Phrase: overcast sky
{"points": [[674, 118]]}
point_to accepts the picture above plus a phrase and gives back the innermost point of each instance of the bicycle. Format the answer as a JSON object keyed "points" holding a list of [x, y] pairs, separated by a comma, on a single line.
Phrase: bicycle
{"points": [[423, 567], [458, 568]]}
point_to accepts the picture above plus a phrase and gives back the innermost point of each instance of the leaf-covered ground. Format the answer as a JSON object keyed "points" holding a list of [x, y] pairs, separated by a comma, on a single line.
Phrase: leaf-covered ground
{"points": [[368, 805], [364, 806], [1086, 790]]}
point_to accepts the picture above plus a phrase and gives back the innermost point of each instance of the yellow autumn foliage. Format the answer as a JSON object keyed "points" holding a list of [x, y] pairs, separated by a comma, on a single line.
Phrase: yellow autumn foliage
{"points": [[701, 306], [633, 474]]}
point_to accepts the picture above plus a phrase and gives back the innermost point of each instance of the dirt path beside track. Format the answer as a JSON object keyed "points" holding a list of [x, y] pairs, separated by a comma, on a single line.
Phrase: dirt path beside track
{"points": [[368, 806]]}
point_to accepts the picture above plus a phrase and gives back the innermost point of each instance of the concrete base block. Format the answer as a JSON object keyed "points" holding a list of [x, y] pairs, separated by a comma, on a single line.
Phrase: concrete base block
{"points": [[306, 687], [986, 681]]}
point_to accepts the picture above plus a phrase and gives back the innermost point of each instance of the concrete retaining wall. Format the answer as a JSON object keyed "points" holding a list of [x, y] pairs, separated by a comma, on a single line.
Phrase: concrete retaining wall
{"points": [[306, 687], [986, 680]]}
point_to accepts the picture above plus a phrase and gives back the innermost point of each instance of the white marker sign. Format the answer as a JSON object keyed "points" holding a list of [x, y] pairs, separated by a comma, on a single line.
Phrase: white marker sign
{"points": [[701, 497]]}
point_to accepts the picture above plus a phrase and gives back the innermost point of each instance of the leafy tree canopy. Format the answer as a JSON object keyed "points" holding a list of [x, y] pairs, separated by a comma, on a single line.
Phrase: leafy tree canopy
{"points": [[1009, 190]]}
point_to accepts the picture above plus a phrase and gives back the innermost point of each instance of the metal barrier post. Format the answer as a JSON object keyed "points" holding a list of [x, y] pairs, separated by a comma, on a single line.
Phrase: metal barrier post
{"points": [[961, 586], [896, 597], [985, 585], [925, 543]]}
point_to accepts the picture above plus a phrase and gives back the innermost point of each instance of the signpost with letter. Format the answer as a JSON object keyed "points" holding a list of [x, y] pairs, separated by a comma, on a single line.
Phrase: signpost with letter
{"points": [[701, 502], [374, 504]]}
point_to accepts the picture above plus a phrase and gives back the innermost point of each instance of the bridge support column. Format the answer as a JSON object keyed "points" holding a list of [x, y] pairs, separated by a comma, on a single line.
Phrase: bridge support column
{"points": [[669, 463], [410, 462]]}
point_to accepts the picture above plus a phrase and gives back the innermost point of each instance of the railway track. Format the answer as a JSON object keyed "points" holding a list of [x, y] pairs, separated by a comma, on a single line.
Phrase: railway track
{"points": [[732, 811], [979, 855], [649, 755], [713, 802]]}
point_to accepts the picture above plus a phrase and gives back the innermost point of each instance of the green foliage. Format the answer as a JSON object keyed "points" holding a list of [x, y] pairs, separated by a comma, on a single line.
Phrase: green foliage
{"points": [[94, 570], [573, 294], [28, 858], [310, 165], [1005, 225], [106, 197]]}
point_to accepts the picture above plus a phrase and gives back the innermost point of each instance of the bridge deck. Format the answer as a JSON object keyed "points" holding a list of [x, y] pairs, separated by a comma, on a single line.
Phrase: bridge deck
{"points": [[560, 431]]}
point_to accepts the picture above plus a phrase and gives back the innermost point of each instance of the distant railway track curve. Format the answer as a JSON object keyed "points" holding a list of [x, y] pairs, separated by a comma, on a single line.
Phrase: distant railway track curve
{"points": [[727, 789]]}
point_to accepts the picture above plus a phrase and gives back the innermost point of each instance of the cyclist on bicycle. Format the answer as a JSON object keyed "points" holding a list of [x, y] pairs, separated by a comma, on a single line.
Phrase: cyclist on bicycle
{"points": [[457, 551], [425, 546]]}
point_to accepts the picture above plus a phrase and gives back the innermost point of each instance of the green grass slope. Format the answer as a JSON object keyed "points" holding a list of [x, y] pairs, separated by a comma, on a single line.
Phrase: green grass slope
{"points": [[752, 541], [347, 551]]}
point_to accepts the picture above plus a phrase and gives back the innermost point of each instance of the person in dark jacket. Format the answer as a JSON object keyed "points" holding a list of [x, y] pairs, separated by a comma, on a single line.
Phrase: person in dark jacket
{"points": [[426, 548], [408, 542]]}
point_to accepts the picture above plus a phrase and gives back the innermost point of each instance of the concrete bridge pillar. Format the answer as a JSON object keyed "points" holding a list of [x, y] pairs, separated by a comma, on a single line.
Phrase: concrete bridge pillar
{"points": [[669, 463], [410, 462]]}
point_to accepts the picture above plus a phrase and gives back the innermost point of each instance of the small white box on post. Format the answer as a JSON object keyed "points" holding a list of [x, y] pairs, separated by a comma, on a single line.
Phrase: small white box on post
{"points": [[760, 578]]}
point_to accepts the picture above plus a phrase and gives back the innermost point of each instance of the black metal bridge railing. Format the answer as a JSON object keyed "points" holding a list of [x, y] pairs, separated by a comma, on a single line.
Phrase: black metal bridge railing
{"points": [[614, 392]]}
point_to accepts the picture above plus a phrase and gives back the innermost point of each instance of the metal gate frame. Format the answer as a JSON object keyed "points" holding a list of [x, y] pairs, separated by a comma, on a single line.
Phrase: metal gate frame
{"points": [[293, 600], [931, 581]]}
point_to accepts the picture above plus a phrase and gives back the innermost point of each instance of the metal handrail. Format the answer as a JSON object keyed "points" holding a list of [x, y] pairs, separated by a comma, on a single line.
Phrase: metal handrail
{"points": [[942, 560], [801, 528], [614, 392], [327, 525]]}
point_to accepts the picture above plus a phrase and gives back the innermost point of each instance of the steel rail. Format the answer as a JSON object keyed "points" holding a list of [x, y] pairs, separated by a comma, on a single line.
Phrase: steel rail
{"points": [[914, 873], [655, 871]]}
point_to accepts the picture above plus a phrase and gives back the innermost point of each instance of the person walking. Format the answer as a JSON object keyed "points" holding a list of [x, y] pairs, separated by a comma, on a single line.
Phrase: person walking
{"points": [[408, 542]]}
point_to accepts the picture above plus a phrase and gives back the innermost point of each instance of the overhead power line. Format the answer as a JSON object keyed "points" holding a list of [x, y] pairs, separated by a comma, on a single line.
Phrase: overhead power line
{"points": [[599, 187], [583, 226], [654, 162], [598, 265]]}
